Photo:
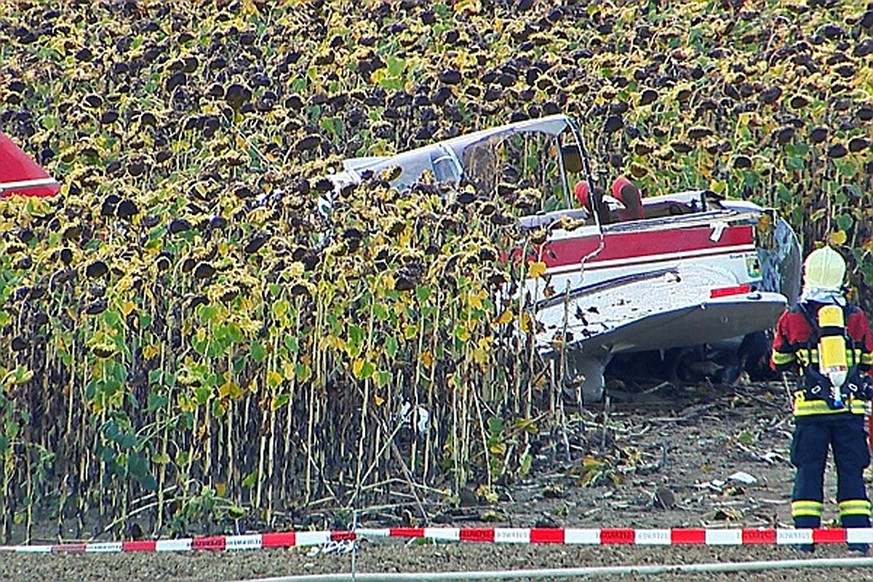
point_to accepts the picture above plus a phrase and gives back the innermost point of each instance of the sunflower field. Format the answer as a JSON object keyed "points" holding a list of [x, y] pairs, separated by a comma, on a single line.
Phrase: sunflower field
{"points": [[186, 340]]}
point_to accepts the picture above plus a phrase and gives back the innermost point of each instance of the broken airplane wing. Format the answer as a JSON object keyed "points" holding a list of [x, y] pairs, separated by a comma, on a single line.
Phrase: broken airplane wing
{"points": [[20, 175]]}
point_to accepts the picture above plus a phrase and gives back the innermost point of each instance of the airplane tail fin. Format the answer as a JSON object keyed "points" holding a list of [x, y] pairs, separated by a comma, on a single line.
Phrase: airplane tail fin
{"points": [[20, 175]]}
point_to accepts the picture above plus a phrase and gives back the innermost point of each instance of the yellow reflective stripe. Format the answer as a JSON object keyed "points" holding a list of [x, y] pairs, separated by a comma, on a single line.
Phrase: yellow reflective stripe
{"points": [[803, 356], [780, 358], [855, 507], [804, 407], [856, 356], [805, 507]]}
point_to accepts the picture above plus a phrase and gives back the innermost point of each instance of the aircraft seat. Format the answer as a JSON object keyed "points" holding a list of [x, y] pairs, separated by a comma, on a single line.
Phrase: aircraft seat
{"points": [[583, 195], [628, 194]]}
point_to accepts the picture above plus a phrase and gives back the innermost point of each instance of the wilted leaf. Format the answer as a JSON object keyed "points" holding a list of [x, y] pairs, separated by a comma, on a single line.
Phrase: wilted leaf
{"points": [[838, 238], [536, 269]]}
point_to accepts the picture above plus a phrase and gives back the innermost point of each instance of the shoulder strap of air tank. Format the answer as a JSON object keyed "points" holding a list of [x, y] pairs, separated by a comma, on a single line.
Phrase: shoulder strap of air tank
{"points": [[812, 320], [848, 310]]}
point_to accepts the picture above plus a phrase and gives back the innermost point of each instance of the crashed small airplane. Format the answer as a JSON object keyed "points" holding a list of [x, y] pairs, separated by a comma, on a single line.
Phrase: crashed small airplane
{"points": [[20, 175], [623, 273]]}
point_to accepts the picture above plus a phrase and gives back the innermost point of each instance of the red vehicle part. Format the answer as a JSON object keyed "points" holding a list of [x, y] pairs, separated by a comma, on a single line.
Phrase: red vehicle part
{"points": [[20, 175]]}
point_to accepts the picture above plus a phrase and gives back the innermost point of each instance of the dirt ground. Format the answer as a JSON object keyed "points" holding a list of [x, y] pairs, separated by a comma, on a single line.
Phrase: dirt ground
{"points": [[670, 457]]}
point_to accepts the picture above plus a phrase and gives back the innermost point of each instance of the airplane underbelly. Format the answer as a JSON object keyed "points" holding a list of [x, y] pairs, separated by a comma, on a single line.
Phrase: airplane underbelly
{"points": [[704, 324], [681, 306]]}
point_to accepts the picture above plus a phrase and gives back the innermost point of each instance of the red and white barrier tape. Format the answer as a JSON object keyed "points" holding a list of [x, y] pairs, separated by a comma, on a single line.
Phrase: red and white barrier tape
{"points": [[604, 536], [240, 542], [629, 536]]}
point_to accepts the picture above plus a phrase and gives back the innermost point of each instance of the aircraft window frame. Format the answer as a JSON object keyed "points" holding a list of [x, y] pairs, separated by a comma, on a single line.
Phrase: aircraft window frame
{"points": [[456, 170]]}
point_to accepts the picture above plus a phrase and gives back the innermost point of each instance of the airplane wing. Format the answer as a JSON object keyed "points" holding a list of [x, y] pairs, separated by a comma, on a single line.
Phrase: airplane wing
{"points": [[358, 164], [683, 306], [20, 175]]}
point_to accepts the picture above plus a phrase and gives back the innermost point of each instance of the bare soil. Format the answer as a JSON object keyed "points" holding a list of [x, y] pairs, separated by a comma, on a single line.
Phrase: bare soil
{"points": [[670, 457]]}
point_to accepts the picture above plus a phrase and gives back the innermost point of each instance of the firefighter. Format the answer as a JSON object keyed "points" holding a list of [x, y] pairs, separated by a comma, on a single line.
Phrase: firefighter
{"points": [[829, 342]]}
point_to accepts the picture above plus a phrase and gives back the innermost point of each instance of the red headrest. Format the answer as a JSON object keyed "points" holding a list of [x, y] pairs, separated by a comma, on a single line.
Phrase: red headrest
{"points": [[619, 183], [583, 195], [628, 194]]}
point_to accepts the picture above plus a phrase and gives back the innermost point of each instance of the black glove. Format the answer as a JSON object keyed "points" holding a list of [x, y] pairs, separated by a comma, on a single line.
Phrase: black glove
{"points": [[860, 386]]}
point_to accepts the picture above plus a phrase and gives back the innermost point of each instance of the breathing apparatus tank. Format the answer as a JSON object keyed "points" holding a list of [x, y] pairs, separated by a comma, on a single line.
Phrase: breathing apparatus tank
{"points": [[832, 350]]}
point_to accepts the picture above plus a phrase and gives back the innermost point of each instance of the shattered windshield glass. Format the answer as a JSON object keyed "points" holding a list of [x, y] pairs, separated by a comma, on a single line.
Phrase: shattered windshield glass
{"points": [[525, 159], [527, 162]]}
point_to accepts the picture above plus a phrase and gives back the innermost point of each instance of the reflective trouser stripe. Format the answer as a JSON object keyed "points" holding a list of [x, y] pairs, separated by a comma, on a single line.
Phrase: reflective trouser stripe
{"points": [[816, 407], [855, 507], [805, 507]]}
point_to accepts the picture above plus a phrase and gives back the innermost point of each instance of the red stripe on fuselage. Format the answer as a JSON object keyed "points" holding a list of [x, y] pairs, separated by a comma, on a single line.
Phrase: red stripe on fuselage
{"points": [[641, 245]]}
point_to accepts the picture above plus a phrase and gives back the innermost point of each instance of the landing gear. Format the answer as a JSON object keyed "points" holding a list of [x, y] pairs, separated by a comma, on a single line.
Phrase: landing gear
{"points": [[583, 378]]}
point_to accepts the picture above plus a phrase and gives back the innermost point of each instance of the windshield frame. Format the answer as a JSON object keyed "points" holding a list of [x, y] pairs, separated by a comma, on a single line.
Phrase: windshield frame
{"points": [[414, 162]]}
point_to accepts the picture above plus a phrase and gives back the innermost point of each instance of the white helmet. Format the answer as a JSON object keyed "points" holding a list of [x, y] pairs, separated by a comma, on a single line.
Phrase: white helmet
{"points": [[824, 269]]}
